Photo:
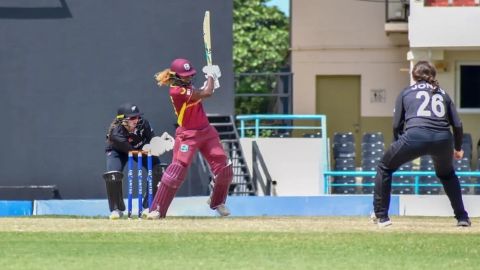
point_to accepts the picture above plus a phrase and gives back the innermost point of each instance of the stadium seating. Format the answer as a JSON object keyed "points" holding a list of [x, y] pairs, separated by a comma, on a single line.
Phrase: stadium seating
{"points": [[476, 180], [373, 146], [340, 137], [467, 146], [373, 154], [464, 162], [312, 135], [344, 156], [403, 180], [426, 164], [344, 164], [467, 138], [372, 150], [344, 150], [463, 165], [368, 165], [373, 137], [343, 145]]}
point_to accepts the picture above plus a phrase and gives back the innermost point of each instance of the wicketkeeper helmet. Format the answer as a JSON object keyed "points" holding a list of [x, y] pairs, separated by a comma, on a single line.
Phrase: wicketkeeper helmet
{"points": [[128, 110]]}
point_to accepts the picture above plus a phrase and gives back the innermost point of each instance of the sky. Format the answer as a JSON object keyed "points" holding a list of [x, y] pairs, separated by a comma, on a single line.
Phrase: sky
{"points": [[283, 5]]}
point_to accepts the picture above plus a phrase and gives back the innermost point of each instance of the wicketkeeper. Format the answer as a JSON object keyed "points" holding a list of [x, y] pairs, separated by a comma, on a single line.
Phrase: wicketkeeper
{"points": [[130, 131]]}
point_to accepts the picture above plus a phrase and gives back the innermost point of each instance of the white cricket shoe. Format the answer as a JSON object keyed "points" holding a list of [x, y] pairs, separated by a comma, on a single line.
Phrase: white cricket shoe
{"points": [[381, 222], [464, 222], [145, 213], [115, 214], [384, 222], [153, 215], [222, 210]]}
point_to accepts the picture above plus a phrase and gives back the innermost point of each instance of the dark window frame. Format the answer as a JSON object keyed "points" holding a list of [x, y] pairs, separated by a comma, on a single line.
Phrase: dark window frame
{"points": [[461, 107]]}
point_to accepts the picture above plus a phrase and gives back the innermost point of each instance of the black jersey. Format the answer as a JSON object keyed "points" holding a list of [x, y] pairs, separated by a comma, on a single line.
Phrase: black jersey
{"points": [[421, 106], [121, 140]]}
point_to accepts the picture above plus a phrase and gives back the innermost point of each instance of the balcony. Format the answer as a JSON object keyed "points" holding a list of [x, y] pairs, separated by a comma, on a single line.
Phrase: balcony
{"points": [[451, 3], [396, 16], [444, 24]]}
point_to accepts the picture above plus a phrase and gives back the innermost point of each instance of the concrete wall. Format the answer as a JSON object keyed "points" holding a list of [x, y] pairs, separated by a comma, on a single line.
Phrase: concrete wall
{"points": [[241, 206], [443, 26], [297, 164], [342, 37], [67, 65]]}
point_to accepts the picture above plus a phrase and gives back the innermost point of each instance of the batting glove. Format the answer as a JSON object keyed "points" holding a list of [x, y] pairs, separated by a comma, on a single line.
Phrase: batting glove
{"points": [[216, 84], [213, 71]]}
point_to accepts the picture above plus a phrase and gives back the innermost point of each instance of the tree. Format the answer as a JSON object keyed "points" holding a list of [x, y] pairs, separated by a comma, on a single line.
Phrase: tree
{"points": [[261, 44]]}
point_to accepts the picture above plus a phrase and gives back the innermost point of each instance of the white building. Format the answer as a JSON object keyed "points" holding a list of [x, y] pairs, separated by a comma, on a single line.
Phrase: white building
{"points": [[351, 58]]}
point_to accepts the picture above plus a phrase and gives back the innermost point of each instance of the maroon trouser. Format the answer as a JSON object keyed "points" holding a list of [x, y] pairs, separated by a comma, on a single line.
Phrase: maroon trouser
{"points": [[187, 143]]}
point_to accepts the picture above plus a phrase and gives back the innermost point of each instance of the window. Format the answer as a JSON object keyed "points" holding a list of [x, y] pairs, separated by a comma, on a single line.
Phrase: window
{"points": [[468, 85]]}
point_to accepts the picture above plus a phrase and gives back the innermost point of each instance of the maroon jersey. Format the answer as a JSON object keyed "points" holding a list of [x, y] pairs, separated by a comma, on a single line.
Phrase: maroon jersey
{"points": [[190, 113]]}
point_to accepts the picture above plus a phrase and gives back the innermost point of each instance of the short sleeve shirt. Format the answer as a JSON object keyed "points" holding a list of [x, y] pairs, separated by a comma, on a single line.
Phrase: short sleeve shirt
{"points": [[190, 114]]}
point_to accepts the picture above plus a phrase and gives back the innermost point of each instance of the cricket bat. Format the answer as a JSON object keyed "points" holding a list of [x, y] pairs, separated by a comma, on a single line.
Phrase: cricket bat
{"points": [[206, 38], [208, 42]]}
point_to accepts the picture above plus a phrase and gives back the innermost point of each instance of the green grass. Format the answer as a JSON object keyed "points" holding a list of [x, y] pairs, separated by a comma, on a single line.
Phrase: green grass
{"points": [[188, 248]]}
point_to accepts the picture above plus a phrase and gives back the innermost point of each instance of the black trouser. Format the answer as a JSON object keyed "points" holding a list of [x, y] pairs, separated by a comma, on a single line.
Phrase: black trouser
{"points": [[414, 143]]}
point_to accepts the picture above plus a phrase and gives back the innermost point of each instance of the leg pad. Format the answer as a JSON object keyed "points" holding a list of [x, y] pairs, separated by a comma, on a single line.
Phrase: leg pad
{"points": [[220, 188], [113, 182], [172, 179]]}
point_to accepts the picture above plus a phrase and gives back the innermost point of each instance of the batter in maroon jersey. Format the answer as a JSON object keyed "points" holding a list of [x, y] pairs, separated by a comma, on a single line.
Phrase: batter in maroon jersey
{"points": [[194, 133]]}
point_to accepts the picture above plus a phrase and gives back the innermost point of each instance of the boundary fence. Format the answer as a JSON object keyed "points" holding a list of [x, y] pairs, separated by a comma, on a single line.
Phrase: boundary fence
{"points": [[416, 174]]}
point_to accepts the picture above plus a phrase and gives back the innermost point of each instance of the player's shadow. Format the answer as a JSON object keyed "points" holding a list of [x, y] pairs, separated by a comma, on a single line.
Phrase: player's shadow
{"points": [[58, 12]]}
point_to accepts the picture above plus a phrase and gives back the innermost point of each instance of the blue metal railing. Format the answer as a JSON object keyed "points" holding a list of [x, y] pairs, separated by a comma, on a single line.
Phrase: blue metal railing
{"points": [[416, 174], [257, 126]]}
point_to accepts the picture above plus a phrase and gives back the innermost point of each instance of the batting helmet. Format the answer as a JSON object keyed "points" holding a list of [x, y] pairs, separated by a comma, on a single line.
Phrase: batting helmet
{"points": [[128, 110], [182, 67]]}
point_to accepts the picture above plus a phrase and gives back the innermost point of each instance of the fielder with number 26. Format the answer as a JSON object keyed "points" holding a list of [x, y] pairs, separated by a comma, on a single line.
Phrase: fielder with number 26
{"points": [[423, 116]]}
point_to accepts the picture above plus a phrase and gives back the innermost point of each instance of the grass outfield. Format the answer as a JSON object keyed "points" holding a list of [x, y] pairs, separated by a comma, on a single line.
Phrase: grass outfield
{"points": [[237, 243]]}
